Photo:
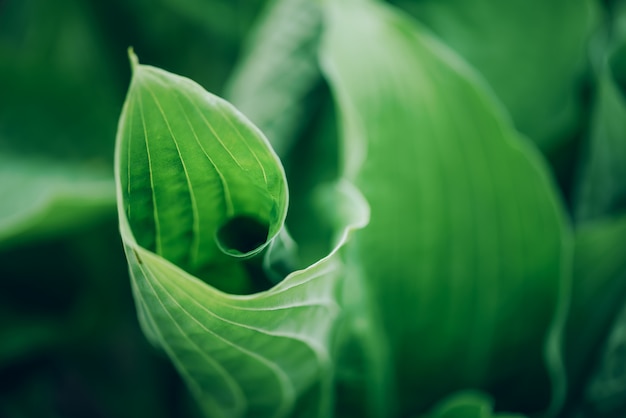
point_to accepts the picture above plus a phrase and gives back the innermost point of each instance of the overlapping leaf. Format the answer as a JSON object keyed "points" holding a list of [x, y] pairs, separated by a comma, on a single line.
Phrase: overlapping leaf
{"points": [[466, 232], [190, 167]]}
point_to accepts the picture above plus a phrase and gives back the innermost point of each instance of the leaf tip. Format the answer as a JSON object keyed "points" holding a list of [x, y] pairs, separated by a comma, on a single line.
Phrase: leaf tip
{"points": [[134, 61]]}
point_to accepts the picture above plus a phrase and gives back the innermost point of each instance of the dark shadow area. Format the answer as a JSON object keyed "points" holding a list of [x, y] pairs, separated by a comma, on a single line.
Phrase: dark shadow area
{"points": [[242, 234]]}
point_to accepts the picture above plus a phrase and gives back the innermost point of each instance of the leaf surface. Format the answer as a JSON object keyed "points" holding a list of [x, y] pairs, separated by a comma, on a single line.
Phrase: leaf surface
{"points": [[187, 164], [466, 228]]}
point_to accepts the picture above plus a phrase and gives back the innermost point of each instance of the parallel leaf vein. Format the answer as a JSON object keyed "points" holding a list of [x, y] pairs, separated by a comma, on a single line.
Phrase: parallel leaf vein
{"points": [[157, 225], [192, 197], [233, 384], [245, 142], [230, 381], [299, 337], [228, 202], [285, 383], [217, 137]]}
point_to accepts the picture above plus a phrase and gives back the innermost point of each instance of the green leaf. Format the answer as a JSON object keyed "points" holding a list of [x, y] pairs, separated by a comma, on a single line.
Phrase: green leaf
{"points": [[466, 228], [598, 295], [200, 183], [532, 53], [42, 198], [601, 188], [279, 70], [467, 405], [187, 164]]}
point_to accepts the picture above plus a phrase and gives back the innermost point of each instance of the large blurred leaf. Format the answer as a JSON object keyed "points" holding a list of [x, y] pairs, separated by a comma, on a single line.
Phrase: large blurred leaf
{"points": [[598, 295], [195, 180], [279, 70], [602, 186], [41, 198], [531, 52], [466, 230]]}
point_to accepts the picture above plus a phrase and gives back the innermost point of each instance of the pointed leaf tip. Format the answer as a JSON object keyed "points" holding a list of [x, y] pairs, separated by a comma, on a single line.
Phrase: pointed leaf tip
{"points": [[134, 61]]}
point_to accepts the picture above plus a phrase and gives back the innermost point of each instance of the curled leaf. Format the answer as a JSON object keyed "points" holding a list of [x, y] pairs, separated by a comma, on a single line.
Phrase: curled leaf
{"points": [[200, 189]]}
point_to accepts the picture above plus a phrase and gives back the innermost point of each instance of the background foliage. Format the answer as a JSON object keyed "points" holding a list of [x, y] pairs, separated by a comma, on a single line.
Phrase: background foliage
{"points": [[70, 345]]}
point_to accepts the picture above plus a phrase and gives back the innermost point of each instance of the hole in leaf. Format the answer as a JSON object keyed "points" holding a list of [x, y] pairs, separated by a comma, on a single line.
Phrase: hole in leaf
{"points": [[242, 234]]}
